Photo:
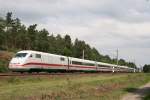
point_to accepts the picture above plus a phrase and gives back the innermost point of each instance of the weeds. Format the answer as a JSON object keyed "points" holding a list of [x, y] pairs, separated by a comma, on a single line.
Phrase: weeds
{"points": [[73, 88], [14, 80]]}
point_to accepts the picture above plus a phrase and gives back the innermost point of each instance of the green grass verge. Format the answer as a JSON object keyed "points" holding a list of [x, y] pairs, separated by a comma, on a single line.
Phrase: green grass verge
{"points": [[71, 87]]}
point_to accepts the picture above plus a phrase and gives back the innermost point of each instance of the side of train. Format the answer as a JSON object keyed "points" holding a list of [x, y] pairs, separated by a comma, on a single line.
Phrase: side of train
{"points": [[28, 60]]}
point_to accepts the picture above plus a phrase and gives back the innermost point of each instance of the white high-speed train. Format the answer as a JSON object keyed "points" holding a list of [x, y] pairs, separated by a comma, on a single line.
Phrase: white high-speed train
{"points": [[35, 61]]}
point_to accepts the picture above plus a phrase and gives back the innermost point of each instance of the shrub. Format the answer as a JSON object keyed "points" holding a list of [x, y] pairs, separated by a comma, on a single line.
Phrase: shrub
{"points": [[3, 66]]}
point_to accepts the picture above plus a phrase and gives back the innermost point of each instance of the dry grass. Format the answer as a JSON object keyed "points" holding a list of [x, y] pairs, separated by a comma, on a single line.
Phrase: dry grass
{"points": [[94, 87]]}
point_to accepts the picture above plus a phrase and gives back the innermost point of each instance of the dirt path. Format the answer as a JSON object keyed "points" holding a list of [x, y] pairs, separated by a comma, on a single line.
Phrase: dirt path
{"points": [[138, 94]]}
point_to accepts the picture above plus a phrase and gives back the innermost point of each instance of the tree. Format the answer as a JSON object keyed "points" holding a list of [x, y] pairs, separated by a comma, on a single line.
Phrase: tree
{"points": [[146, 68], [78, 48], [7, 36], [121, 62], [32, 34], [59, 45], [131, 64], [51, 42], [2, 24], [66, 52], [68, 46], [14, 33], [106, 59], [95, 54], [2, 27], [68, 43], [22, 38], [41, 42], [9, 19]]}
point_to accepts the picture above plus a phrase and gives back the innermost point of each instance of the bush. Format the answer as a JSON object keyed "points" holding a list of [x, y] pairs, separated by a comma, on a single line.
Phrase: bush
{"points": [[3, 66], [5, 57]]}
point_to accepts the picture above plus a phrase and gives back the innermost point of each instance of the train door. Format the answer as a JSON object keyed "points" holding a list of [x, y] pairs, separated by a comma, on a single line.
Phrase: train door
{"points": [[34, 60], [68, 63], [39, 60], [30, 60], [63, 62], [96, 65]]}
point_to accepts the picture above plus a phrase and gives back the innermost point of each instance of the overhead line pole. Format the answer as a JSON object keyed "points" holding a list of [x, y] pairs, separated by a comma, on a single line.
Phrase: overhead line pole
{"points": [[134, 65], [117, 57], [83, 54]]}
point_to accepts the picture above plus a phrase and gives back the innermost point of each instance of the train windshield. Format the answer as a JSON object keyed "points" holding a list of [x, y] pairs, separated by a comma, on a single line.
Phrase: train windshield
{"points": [[20, 55]]}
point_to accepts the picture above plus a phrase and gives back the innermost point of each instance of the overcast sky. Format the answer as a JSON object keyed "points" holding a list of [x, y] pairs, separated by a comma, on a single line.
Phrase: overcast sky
{"points": [[104, 24]]}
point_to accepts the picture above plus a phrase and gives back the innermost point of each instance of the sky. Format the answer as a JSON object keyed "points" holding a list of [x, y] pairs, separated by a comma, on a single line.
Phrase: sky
{"points": [[107, 25]]}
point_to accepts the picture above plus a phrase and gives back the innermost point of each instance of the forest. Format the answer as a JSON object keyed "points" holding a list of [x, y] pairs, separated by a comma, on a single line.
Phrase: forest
{"points": [[15, 36]]}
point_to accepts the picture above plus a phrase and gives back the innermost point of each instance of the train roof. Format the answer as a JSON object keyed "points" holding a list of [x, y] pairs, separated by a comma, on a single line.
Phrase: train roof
{"points": [[76, 59], [82, 60], [43, 53]]}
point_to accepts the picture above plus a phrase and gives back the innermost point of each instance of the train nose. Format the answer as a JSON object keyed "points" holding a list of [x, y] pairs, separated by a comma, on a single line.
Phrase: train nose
{"points": [[15, 63]]}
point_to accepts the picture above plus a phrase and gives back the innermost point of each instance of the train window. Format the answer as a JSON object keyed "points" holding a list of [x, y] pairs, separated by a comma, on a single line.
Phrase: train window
{"points": [[83, 63], [102, 65], [88, 64], [38, 56], [99, 65], [20, 54], [62, 58], [76, 62], [70, 61]]}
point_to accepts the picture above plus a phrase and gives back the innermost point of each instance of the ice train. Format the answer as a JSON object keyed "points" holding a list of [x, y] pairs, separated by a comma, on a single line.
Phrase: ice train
{"points": [[34, 61]]}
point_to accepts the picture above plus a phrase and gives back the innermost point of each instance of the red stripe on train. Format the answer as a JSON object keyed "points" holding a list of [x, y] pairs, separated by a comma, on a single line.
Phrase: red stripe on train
{"points": [[58, 65], [44, 64], [82, 66]]}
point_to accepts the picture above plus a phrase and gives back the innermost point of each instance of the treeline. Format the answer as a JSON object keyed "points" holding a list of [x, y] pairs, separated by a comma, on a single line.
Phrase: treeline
{"points": [[146, 68], [15, 36]]}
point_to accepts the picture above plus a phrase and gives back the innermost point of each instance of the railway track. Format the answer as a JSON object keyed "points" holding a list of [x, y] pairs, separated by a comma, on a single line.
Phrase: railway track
{"points": [[45, 74], [31, 74], [49, 74]]}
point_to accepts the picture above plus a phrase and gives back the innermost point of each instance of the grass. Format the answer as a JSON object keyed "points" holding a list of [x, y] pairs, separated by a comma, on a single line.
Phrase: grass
{"points": [[70, 87]]}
